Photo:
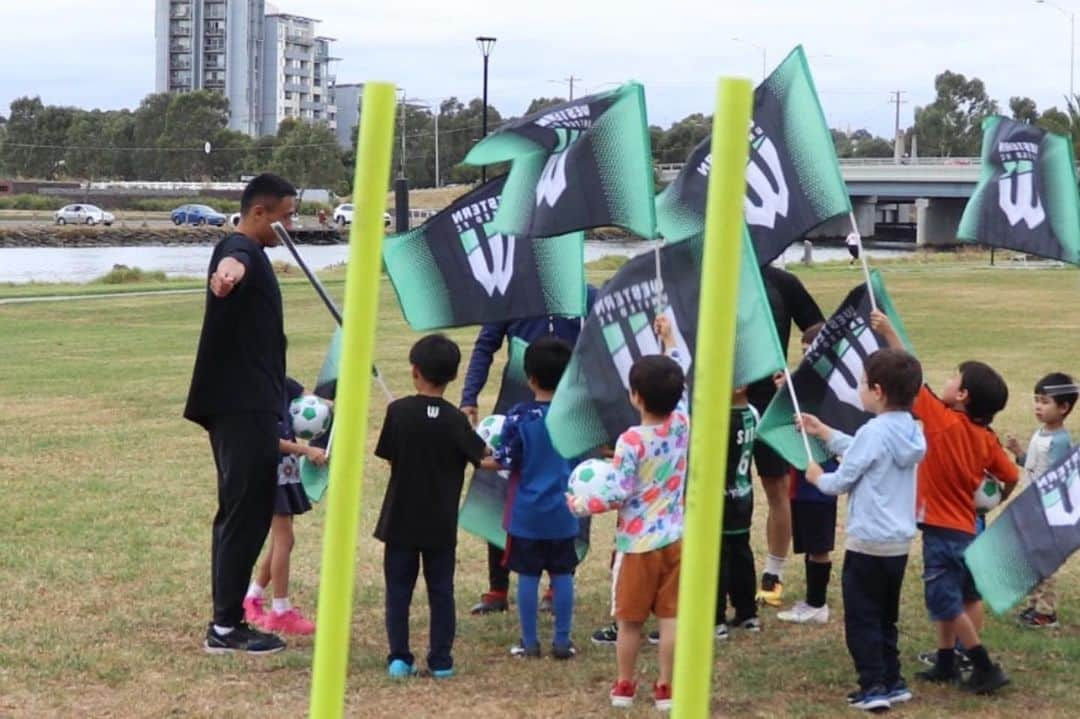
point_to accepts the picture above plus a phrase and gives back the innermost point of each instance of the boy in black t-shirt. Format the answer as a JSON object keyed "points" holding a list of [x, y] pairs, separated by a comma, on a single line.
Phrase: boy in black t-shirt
{"points": [[737, 578], [428, 442]]}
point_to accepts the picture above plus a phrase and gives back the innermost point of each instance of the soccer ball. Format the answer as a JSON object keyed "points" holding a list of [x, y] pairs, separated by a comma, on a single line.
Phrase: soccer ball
{"points": [[310, 416], [592, 487], [490, 430], [988, 495]]}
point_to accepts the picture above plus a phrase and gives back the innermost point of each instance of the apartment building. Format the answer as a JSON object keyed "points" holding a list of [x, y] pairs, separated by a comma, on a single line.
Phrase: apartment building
{"points": [[298, 81]]}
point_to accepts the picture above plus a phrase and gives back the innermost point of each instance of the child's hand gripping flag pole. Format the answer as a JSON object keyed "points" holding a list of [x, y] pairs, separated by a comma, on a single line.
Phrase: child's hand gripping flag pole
{"points": [[712, 401], [354, 391]]}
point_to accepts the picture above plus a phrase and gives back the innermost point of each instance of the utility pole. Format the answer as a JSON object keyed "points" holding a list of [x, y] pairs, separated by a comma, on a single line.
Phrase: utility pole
{"points": [[572, 80], [897, 145]]}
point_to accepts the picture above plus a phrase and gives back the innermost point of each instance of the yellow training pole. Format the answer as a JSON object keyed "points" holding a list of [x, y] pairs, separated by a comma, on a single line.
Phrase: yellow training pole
{"points": [[714, 365], [334, 618]]}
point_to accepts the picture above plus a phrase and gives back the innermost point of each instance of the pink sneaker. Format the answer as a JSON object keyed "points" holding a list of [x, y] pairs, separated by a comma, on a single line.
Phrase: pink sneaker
{"points": [[290, 622], [254, 613]]}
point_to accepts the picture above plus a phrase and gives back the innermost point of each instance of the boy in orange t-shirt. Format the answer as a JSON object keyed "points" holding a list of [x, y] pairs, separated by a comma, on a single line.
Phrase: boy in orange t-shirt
{"points": [[960, 449]]}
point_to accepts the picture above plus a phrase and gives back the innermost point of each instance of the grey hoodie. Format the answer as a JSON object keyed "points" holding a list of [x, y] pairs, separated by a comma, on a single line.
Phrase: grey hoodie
{"points": [[878, 472]]}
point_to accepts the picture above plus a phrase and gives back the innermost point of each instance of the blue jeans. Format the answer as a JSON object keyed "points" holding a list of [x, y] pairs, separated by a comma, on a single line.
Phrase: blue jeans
{"points": [[947, 583]]}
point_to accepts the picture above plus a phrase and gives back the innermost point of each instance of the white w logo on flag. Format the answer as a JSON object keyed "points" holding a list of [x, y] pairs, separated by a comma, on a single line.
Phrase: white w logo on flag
{"points": [[774, 200], [845, 359], [552, 181], [497, 275], [1017, 196], [640, 343]]}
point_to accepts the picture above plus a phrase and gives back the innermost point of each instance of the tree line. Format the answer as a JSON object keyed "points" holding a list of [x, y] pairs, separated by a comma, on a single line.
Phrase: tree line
{"points": [[165, 138]]}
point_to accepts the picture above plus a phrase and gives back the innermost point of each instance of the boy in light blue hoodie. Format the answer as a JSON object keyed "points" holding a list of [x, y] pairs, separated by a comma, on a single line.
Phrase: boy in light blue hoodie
{"points": [[878, 471]]}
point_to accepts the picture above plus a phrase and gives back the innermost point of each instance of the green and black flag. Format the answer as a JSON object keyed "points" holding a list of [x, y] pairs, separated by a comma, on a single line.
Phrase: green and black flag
{"points": [[456, 270], [585, 163], [1031, 539], [1026, 199], [827, 380], [591, 406], [793, 181]]}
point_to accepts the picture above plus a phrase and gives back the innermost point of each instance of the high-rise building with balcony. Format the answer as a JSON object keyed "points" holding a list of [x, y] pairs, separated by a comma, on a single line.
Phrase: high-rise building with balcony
{"points": [[297, 79], [213, 45], [346, 98]]}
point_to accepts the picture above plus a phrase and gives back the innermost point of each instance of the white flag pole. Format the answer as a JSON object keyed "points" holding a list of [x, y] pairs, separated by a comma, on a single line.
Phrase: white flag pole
{"points": [[862, 258], [798, 413]]}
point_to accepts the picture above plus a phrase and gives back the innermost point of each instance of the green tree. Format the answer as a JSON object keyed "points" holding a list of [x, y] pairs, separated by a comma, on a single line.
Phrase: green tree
{"points": [[1024, 109], [1056, 121], [88, 153], [230, 155], [841, 142], [952, 124], [541, 103], [307, 154], [149, 125], [675, 144], [192, 120]]}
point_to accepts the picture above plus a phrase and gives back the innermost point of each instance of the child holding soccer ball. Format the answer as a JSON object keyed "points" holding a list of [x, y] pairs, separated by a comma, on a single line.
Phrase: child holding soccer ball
{"points": [[289, 500]]}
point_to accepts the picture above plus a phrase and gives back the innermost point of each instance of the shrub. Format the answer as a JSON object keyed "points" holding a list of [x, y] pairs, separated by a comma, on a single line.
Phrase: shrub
{"points": [[124, 275]]}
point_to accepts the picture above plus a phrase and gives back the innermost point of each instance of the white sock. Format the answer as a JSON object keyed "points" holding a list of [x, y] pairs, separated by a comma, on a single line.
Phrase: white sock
{"points": [[255, 590], [281, 605], [223, 631], [775, 565]]}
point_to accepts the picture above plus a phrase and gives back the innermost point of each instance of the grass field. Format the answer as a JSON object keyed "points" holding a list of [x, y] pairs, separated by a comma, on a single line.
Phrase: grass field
{"points": [[104, 550]]}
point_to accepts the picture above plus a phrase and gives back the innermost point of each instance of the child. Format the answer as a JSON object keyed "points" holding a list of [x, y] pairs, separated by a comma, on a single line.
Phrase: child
{"points": [[428, 442], [289, 500], [737, 578], [960, 449], [650, 461], [813, 532], [541, 532], [1055, 397], [878, 474]]}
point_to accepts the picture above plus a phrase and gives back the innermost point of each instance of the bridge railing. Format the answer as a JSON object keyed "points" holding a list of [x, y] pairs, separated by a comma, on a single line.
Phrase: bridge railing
{"points": [[667, 168]]}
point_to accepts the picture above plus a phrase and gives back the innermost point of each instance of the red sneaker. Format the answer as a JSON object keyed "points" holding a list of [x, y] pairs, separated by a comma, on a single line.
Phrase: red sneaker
{"points": [[254, 614], [662, 696], [622, 693], [290, 622], [491, 602]]}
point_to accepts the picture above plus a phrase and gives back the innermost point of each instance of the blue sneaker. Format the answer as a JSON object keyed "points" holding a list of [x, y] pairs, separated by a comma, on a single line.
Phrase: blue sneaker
{"points": [[442, 673], [400, 669], [899, 692], [874, 699]]}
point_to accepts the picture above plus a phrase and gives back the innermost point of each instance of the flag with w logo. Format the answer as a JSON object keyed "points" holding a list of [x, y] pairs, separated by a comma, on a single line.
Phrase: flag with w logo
{"points": [[585, 163], [1026, 199], [1031, 539], [591, 405], [456, 270], [793, 181], [827, 380]]}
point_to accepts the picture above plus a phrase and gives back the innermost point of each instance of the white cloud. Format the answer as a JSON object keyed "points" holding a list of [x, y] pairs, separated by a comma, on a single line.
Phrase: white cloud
{"points": [[101, 54]]}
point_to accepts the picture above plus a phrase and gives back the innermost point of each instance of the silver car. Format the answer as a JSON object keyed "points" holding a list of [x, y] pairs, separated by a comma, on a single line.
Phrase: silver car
{"points": [[83, 215]]}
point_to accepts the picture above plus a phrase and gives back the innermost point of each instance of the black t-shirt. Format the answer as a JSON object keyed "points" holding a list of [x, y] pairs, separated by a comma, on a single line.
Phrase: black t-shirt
{"points": [[789, 302], [240, 363], [428, 442], [739, 502]]}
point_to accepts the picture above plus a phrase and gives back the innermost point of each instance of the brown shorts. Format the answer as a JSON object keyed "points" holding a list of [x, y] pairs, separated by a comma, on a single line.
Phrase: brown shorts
{"points": [[646, 583]]}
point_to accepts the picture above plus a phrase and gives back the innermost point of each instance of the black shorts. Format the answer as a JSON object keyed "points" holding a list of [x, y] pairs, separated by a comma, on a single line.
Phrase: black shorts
{"points": [[533, 557], [813, 527], [766, 460]]}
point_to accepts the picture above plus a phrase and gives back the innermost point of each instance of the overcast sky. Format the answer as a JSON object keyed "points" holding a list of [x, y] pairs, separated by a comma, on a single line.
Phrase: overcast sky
{"points": [[101, 54]]}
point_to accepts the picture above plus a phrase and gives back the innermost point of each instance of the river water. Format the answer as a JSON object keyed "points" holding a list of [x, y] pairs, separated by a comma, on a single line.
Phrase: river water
{"points": [[82, 264]]}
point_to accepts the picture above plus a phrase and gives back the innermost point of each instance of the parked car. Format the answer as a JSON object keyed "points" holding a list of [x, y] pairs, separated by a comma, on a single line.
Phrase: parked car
{"points": [[343, 215], [197, 215], [83, 215]]}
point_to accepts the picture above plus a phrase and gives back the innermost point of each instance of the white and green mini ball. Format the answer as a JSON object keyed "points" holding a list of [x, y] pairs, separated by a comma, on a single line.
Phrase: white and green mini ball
{"points": [[593, 487], [310, 416], [490, 430], [988, 495]]}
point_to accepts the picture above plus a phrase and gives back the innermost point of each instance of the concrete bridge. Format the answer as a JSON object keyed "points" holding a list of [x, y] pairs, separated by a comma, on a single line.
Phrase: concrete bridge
{"points": [[927, 192]]}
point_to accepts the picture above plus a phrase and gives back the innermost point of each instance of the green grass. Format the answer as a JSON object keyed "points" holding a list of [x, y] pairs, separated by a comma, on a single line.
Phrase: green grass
{"points": [[110, 494]]}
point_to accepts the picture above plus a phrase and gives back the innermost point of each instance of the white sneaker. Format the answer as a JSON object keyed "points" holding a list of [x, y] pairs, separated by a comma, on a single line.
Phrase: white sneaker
{"points": [[803, 613], [722, 631]]}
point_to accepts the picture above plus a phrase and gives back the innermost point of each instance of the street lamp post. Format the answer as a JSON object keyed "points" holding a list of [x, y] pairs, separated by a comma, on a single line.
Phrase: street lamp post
{"points": [[764, 53], [485, 44], [1072, 43]]}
